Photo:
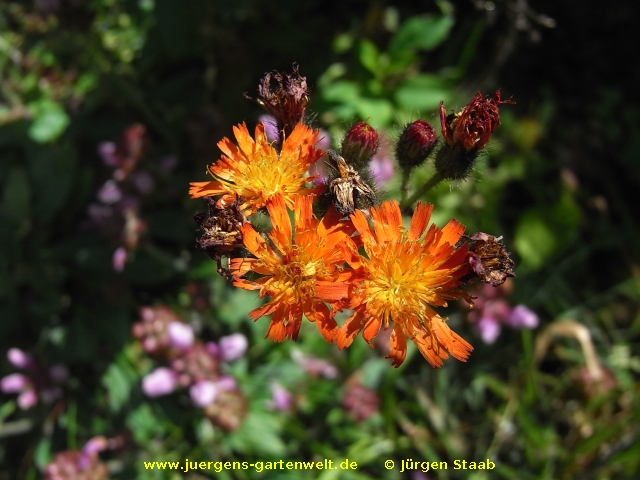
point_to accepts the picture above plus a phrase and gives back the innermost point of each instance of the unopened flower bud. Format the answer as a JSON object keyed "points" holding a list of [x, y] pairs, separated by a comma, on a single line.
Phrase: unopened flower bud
{"points": [[415, 144], [360, 144]]}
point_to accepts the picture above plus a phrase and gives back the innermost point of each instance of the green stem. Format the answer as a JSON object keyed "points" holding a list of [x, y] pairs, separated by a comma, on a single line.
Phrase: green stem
{"points": [[404, 187], [433, 181]]}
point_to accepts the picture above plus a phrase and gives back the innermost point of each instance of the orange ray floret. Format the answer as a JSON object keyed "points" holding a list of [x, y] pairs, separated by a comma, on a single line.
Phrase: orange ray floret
{"points": [[291, 266], [404, 276], [255, 172]]}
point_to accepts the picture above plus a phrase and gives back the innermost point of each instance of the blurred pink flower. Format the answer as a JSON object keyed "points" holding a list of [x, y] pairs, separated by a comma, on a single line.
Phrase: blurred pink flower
{"points": [[110, 192], [232, 347], [381, 168], [20, 359], [143, 181], [281, 398], [14, 383], [522, 317], [203, 393], [160, 381], [491, 310], [119, 259], [314, 366], [180, 335], [107, 150], [27, 399]]}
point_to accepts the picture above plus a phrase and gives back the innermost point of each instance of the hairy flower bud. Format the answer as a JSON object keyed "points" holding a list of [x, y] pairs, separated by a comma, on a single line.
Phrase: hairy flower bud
{"points": [[360, 144], [465, 134], [415, 144]]}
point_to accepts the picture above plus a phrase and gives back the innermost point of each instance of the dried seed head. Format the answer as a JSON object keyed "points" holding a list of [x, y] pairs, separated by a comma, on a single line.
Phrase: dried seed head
{"points": [[347, 189], [288, 101], [488, 259], [221, 229]]}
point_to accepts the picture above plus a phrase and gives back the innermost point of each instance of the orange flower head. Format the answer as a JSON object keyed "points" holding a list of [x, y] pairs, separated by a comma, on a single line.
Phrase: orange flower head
{"points": [[255, 172], [404, 275], [292, 264]]}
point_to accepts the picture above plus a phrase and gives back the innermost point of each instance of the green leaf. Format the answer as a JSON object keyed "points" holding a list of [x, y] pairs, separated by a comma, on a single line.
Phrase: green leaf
{"points": [[423, 92], [50, 121], [17, 195], [118, 380], [369, 56], [534, 239], [377, 111], [424, 32], [341, 91]]}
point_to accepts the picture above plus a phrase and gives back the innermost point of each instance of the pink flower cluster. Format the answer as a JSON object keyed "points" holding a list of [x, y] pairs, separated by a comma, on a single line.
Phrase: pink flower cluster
{"points": [[491, 310], [192, 364], [38, 382]]}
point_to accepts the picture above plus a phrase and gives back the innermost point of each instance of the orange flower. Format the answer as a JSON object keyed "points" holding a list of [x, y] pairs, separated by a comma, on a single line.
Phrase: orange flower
{"points": [[292, 264], [255, 172], [404, 277]]}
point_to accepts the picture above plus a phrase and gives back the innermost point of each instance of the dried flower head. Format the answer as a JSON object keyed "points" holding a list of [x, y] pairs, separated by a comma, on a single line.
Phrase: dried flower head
{"points": [[227, 410], [347, 189], [488, 259], [288, 101], [465, 134], [221, 229], [473, 125], [253, 171]]}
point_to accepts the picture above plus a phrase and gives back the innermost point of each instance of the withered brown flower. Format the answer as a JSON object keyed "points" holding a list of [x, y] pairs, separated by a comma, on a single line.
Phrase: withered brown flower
{"points": [[348, 190], [488, 259], [221, 230], [473, 126], [288, 101]]}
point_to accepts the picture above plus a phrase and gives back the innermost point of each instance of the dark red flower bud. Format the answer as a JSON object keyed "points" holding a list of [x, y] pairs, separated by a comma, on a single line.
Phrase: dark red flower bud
{"points": [[360, 144], [473, 126], [415, 144]]}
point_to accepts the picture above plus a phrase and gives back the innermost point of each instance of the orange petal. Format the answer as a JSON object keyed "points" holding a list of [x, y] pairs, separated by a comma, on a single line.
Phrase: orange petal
{"points": [[253, 241], [458, 347], [350, 330], [266, 309], [420, 220], [430, 349], [371, 329], [331, 291], [387, 221], [397, 346], [205, 189], [362, 225], [451, 232], [321, 315], [277, 330], [281, 232]]}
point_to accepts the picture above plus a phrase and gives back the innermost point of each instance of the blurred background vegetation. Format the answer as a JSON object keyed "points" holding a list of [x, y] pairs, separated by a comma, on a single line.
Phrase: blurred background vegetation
{"points": [[109, 108]]}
